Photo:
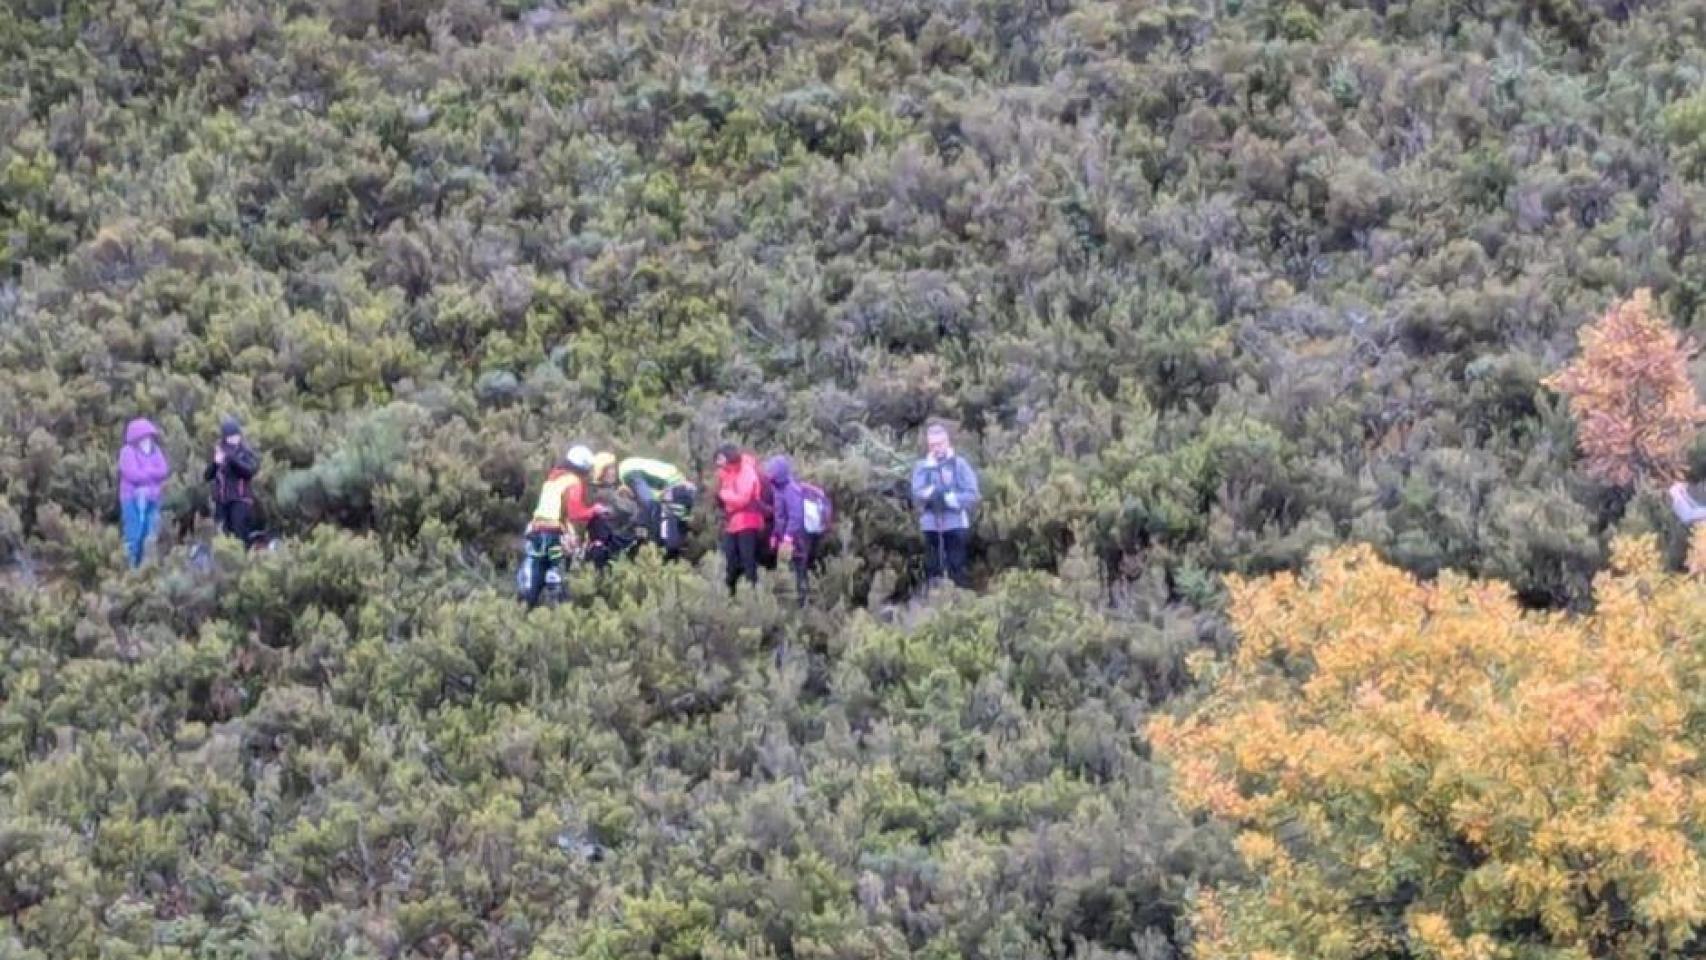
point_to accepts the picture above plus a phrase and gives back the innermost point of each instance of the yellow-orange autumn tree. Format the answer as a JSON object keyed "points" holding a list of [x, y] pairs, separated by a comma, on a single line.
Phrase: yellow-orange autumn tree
{"points": [[1635, 407], [1428, 770]]}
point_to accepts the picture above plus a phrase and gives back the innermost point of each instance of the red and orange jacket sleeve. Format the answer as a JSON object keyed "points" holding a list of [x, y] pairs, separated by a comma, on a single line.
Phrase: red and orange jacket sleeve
{"points": [[575, 507]]}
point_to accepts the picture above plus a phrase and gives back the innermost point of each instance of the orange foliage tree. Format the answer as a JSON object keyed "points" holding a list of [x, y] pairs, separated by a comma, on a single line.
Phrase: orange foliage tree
{"points": [[1630, 393], [1428, 770]]}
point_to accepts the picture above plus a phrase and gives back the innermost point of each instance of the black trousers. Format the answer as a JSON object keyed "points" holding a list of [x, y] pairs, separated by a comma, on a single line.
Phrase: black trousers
{"points": [[672, 535], [740, 557], [805, 560], [947, 554], [668, 524], [236, 518], [666, 517]]}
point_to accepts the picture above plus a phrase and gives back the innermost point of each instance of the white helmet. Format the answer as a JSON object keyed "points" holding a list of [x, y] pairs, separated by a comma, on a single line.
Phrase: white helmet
{"points": [[579, 457]]}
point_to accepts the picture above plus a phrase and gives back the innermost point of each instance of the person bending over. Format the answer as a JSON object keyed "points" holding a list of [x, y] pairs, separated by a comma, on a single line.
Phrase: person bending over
{"points": [[664, 494]]}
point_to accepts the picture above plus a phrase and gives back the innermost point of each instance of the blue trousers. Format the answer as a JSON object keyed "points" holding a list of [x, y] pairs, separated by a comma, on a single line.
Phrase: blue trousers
{"points": [[140, 518]]}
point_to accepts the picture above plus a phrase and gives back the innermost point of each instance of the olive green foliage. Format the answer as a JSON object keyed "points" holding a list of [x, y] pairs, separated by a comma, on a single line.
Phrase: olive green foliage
{"points": [[329, 752], [1204, 284], [1214, 283]]}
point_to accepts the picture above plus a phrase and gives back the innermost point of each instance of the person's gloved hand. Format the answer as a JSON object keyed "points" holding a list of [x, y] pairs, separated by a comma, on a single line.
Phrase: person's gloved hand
{"points": [[952, 500]]}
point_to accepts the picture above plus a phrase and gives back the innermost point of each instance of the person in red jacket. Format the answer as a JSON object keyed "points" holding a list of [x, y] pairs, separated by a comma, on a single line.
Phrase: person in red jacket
{"points": [[740, 494]]}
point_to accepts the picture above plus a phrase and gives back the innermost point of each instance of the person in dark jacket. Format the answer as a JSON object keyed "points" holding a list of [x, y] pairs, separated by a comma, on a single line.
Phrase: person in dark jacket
{"points": [[944, 488], [789, 538], [230, 472]]}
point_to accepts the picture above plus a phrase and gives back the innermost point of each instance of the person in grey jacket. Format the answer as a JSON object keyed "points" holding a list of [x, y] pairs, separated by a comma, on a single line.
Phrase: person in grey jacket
{"points": [[944, 488]]}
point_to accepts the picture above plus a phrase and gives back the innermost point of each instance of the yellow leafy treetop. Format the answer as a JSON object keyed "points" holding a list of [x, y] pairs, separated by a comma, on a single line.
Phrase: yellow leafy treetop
{"points": [[1635, 407], [1426, 769]]}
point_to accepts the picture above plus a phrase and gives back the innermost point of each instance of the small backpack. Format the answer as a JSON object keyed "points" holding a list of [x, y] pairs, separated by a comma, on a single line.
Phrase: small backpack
{"points": [[817, 509]]}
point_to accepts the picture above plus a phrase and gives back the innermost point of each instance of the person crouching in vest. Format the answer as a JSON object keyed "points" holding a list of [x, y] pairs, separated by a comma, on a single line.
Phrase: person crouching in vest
{"points": [[619, 530], [563, 504], [664, 494]]}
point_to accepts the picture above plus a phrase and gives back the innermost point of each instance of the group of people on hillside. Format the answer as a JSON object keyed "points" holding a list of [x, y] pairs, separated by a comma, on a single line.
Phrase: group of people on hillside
{"points": [[567, 505], [768, 515], [144, 469], [601, 507]]}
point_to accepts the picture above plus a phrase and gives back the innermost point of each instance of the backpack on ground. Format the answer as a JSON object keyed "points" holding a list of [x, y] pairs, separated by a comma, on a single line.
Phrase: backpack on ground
{"points": [[818, 512]]}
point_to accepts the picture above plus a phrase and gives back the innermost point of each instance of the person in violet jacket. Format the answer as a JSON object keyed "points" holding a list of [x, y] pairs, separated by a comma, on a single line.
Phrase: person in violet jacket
{"points": [[789, 538], [142, 474], [944, 488]]}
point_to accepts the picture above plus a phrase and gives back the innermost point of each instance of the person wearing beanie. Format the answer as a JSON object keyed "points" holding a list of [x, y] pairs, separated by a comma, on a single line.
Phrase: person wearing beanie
{"points": [[142, 473], [230, 471], [740, 495]]}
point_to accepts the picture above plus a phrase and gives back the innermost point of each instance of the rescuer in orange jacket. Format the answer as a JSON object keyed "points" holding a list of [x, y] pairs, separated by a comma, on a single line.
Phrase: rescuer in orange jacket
{"points": [[562, 506]]}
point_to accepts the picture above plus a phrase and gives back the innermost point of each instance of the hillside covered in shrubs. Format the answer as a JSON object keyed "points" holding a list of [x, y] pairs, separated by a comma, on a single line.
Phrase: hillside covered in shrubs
{"points": [[1204, 286]]}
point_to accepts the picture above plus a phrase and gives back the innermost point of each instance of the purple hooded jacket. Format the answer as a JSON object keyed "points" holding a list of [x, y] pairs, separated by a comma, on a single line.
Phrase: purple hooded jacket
{"points": [[790, 500], [141, 474]]}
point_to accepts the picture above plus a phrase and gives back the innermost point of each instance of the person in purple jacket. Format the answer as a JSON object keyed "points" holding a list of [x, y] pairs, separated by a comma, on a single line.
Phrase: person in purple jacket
{"points": [[142, 473], [789, 538]]}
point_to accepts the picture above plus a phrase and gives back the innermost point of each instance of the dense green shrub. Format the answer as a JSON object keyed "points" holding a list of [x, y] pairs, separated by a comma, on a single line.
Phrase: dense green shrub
{"points": [[345, 744], [1203, 286]]}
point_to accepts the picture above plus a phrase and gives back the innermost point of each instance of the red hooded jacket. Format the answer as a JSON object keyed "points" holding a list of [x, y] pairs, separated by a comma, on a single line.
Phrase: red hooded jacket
{"points": [[741, 492]]}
